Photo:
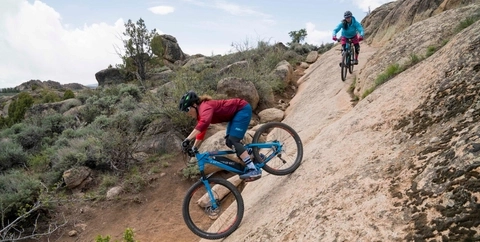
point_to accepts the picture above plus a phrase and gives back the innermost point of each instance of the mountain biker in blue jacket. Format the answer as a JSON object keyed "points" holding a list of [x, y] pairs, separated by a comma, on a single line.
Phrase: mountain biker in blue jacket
{"points": [[350, 30]]}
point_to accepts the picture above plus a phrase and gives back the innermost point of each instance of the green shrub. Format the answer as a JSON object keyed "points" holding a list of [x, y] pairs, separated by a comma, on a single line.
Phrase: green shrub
{"points": [[11, 154], [53, 124], [390, 72], [101, 122], [18, 107], [368, 92], [414, 59], [18, 191], [39, 162], [68, 94], [127, 103], [430, 51], [191, 171], [107, 181], [131, 90], [49, 96], [84, 95], [139, 121], [89, 113], [467, 22], [134, 181], [31, 137], [70, 104], [128, 236]]}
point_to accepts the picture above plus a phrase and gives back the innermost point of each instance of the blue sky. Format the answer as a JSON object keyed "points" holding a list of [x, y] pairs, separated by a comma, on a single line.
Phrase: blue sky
{"points": [[69, 41]]}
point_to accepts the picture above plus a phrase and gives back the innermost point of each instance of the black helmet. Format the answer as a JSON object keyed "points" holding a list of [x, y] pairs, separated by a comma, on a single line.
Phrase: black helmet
{"points": [[347, 14], [187, 100]]}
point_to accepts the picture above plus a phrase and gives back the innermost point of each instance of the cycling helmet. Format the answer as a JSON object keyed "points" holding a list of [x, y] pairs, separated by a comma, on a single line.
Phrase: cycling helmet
{"points": [[187, 100], [347, 14]]}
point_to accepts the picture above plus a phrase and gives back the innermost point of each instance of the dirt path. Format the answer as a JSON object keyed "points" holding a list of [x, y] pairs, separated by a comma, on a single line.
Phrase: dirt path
{"points": [[154, 214]]}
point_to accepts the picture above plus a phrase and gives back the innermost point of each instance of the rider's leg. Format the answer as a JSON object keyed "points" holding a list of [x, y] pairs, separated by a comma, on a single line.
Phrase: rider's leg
{"points": [[357, 50], [343, 41], [236, 130], [356, 43]]}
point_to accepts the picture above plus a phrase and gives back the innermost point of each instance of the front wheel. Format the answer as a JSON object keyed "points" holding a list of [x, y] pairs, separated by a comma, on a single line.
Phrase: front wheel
{"points": [[350, 67], [344, 66], [208, 220], [291, 155]]}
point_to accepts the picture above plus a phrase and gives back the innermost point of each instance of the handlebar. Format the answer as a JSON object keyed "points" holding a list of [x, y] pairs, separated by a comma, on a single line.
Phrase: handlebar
{"points": [[189, 149]]}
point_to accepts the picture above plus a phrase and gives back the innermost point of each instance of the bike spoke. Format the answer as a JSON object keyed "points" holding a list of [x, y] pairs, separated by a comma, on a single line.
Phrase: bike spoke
{"points": [[288, 157], [209, 221]]}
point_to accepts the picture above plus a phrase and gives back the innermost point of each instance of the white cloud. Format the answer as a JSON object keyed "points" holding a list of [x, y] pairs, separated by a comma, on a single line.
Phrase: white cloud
{"points": [[38, 46], [317, 37], [162, 10], [367, 5], [237, 9]]}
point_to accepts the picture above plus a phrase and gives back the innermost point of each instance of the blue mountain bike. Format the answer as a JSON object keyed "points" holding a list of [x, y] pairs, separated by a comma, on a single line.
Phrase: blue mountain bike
{"points": [[347, 59], [213, 207]]}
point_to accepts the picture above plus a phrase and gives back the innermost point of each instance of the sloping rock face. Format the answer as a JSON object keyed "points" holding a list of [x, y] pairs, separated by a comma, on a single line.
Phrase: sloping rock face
{"points": [[401, 165], [444, 135], [390, 19], [413, 41]]}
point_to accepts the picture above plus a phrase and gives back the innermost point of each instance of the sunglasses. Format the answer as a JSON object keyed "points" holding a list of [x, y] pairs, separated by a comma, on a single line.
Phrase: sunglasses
{"points": [[187, 109]]}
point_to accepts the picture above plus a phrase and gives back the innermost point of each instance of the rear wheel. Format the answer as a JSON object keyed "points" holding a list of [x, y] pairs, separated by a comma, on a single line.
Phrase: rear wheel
{"points": [[206, 221], [291, 155]]}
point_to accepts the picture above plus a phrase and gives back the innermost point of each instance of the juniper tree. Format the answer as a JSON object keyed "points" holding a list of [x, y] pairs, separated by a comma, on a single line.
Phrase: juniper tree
{"points": [[297, 36], [138, 48]]}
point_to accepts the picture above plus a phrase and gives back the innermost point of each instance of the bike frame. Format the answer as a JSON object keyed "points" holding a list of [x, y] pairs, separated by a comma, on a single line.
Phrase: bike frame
{"points": [[349, 50], [207, 158]]}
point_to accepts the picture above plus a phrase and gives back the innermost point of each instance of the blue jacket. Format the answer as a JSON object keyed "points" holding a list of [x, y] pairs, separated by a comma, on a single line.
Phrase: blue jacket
{"points": [[351, 29]]}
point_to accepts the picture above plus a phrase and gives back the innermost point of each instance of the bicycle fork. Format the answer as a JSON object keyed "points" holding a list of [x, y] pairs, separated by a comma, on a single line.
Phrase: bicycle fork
{"points": [[213, 201]]}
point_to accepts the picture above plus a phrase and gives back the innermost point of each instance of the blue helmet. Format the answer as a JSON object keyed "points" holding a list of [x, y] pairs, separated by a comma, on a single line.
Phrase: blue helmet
{"points": [[347, 14]]}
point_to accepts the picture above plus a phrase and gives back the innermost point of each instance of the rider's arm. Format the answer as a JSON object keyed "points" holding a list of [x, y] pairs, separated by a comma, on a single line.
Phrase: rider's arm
{"points": [[359, 28], [193, 134], [198, 136], [335, 31]]}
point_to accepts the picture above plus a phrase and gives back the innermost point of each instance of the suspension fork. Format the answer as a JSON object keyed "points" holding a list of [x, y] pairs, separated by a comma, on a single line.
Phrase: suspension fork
{"points": [[210, 192]]}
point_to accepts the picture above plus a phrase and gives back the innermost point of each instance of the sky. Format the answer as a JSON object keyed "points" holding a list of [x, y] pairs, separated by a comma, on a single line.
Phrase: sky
{"points": [[68, 41]]}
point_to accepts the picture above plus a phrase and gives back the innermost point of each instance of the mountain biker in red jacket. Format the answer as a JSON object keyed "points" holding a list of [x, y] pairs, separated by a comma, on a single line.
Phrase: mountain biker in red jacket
{"points": [[350, 29], [237, 112]]}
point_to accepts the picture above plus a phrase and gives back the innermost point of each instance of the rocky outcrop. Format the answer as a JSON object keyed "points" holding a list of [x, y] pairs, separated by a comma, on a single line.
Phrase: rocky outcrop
{"points": [[172, 50], [113, 76], [77, 178], [237, 87], [34, 85]]}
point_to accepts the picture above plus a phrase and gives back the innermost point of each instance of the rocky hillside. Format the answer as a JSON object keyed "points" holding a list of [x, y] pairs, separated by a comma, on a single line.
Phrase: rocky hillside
{"points": [[401, 165]]}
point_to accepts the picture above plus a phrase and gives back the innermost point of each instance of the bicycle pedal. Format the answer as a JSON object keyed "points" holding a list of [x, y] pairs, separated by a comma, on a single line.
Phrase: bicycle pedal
{"points": [[252, 179]]}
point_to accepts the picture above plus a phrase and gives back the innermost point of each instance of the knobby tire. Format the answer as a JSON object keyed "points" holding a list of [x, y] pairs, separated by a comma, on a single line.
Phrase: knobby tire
{"points": [[351, 57], [292, 152], [344, 66], [210, 225]]}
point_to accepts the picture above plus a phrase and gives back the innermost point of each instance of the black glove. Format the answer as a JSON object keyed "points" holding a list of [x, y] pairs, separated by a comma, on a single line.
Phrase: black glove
{"points": [[192, 151], [185, 143]]}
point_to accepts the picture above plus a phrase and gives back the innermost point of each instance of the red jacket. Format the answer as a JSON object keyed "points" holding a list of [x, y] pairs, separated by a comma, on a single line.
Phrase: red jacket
{"points": [[216, 111]]}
